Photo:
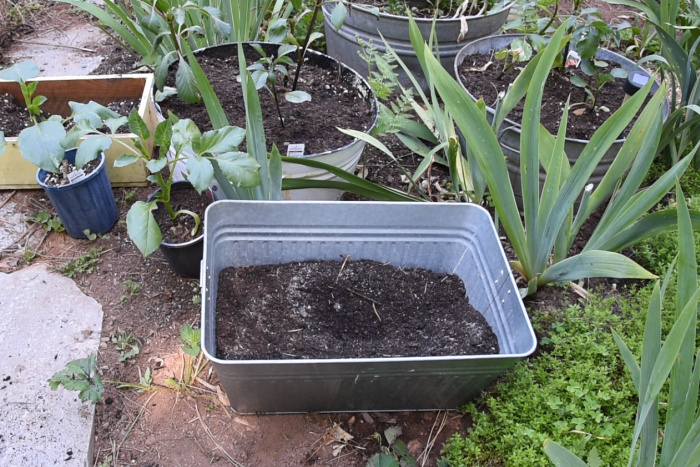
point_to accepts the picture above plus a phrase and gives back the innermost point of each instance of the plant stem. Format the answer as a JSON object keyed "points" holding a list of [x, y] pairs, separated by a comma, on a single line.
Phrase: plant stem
{"points": [[300, 56], [277, 104]]}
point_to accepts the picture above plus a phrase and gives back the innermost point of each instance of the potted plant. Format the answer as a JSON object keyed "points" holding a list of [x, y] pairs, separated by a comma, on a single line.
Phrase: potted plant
{"points": [[134, 89], [450, 238], [455, 23], [506, 51], [75, 180], [211, 154]]}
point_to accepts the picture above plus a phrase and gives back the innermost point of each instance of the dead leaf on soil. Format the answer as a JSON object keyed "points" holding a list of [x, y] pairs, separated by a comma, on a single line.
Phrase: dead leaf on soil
{"points": [[481, 69], [335, 434], [223, 398], [580, 291]]}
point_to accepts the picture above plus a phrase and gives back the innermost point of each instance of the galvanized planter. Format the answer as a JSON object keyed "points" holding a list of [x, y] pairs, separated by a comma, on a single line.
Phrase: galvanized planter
{"points": [[509, 132], [446, 237], [345, 157], [362, 23]]}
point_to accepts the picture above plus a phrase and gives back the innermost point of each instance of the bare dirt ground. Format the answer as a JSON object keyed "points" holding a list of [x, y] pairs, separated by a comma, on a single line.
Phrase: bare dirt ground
{"points": [[143, 298]]}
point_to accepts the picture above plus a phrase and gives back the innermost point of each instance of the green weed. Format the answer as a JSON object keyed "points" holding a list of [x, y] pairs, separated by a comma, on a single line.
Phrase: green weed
{"points": [[83, 265], [126, 344], [48, 221]]}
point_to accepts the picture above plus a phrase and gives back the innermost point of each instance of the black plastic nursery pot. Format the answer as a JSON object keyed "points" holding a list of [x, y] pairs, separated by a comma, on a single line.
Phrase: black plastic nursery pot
{"points": [[85, 206], [184, 258]]}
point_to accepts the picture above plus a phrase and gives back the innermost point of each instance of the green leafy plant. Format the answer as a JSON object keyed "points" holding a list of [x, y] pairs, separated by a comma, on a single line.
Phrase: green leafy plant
{"points": [[131, 288], [193, 359], [48, 221], [675, 360], [519, 50], [543, 237], [209, 155], [394, 454], [45, 142], [80, 375], [83, 265], [126, 344]]}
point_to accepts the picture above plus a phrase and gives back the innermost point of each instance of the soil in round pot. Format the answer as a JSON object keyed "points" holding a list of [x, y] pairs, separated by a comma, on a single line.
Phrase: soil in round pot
{"points": [[360, 22], [182, 251], [345, 309], [86, 205], [339, 98]]}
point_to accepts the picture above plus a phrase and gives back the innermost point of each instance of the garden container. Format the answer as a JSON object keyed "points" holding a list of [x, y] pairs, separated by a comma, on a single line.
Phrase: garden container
{"points": [[509, 132], [87, 204], [18, 173], [365, 25], [184, 258], [445, 238], [345, 157]]}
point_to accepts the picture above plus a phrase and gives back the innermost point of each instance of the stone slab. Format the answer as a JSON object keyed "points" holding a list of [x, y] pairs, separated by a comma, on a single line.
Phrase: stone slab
{"points": [[45, 321]]}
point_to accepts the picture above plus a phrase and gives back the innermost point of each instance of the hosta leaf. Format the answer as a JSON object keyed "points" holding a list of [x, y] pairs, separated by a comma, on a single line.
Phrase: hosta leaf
{"points": [[91, 148], [143, 228]]}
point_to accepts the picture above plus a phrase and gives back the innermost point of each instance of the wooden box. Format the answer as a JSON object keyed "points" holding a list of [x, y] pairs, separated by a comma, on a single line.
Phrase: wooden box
{"points": [[18, 173]]}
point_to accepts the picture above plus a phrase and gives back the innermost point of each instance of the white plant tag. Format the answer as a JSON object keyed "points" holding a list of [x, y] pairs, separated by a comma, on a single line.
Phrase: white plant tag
{"points": [[76, 176], [295, 150], [573, 59]]}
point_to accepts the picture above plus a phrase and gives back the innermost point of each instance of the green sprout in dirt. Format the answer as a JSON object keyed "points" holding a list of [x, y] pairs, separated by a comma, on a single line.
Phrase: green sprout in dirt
{"points": [[48, 221], [80, 375], [193, 360], [83, 265], [266, 72], [131, 288], [126, 344], [518, 51], [394, 454]]}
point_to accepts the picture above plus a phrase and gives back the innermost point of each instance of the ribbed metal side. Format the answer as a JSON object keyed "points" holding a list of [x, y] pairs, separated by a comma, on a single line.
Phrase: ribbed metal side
{"points": [[446, 237]]}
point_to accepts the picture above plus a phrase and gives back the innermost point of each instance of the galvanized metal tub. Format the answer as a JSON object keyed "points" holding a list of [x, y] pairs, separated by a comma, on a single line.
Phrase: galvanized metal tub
{"points": [[509, 132], [446, 237], [364, 24]]}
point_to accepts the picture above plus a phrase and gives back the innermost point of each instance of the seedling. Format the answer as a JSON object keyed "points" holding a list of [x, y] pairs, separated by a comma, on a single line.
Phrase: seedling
{"points": [[48, 221], [131, 288], [80, 375], [126, 344], [30, 254], [193, 360], [197, 293], [267, 70], [394, 454], [519, 50], [83, 265]]}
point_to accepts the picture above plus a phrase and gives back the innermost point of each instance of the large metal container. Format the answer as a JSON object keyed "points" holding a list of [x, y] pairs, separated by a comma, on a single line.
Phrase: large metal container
{"points": [[365, 25], [445, 237], [509, 132]]}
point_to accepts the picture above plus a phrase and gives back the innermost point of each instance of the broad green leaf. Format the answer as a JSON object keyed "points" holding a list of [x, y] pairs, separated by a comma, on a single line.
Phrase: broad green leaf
{"points": [[594, 263], [143, 228], [297, 97], [241, 169], [381, 459], [115, 123], [91, 148], [200, 172], [41, 144], [21, 71], [224, 139], [126, 159], [185, 83], [91, 112], [562, 457], [156, 165], [338, 15], [277, 30], [137, 126], [391, 434], [578, 81], [163, 134]]}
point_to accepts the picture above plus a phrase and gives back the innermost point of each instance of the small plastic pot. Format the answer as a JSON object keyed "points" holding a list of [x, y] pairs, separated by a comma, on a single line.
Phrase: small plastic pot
{"points": [[184, 258], [85, 205]]}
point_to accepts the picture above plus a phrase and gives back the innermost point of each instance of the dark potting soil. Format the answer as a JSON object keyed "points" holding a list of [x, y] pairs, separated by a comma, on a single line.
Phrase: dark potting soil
{"points": [[583, 122], [14, 116], [345, 309], [424, 8], [334, 104], [187, 199]]}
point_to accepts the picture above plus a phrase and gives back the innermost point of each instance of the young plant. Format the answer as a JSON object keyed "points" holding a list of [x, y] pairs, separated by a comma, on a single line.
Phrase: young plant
{"points": [[86, 264], [587, 40], [45, 142], [543, 236], [675, 360], [395, 453], [126, 344], [517, 51], [268, 70], [48, 221], [205, 154], [193, 360], [80, 375]]}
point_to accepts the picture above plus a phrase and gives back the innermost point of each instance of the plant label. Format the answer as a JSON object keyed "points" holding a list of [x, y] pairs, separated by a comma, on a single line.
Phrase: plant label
{"points": [[295, 150], [573, 59], [76, 176]]}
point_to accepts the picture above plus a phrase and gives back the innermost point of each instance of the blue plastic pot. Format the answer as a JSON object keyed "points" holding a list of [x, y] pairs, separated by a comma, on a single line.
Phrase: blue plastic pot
{"points": [[84, 205]]}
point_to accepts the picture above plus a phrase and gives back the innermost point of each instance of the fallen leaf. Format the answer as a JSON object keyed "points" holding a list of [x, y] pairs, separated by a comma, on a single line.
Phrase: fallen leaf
{"points": [[223, 398]]}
